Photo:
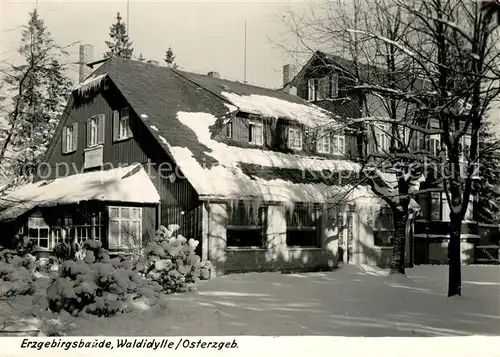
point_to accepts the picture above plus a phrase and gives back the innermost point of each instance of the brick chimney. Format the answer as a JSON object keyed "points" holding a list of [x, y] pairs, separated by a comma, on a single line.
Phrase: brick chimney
{"points": [[86, 56]]}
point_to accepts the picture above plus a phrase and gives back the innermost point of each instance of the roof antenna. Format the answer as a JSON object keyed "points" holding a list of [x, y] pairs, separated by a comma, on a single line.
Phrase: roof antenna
{"points": [[128, 24], [245, 58]]}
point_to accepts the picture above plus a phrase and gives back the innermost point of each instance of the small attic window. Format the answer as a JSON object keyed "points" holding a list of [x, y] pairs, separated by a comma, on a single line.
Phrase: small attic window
{"points": [[255, 133]]}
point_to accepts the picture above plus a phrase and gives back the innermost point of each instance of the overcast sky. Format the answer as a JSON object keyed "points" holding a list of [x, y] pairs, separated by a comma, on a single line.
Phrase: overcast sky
{"points": [[205, 35]]}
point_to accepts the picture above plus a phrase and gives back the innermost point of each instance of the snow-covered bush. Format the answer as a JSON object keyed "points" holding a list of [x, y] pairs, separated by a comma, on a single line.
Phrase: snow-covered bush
{"points": [[172, 262], [95, 284], [15, 274]]}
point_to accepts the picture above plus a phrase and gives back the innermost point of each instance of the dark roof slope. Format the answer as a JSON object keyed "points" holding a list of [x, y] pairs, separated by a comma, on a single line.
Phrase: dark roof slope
{"points": [[161, 93]]}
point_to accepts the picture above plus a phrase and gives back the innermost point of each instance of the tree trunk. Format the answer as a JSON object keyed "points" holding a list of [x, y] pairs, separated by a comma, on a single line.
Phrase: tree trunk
{"points": [[398, 252], [454, 257]]}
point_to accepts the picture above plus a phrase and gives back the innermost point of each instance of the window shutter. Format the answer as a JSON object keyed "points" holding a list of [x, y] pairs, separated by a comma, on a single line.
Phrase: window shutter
{"points": [[101, 129], [88, 132], [312, 89], [129, 130], [370, 137], [75, 137], [116, 125], [334, 85], [63, 140]]}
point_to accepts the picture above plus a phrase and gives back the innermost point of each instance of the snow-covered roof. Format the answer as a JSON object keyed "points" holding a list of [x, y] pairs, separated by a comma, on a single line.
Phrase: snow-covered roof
{"points": [[125, 184], [227, 179], [90, 84], [197, 108], [308, 115]]}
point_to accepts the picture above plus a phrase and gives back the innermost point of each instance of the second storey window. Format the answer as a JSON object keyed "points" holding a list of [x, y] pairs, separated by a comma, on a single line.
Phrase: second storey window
{"points": [[382, 137], [338, 144], [95, 130], [255, 133], [323, 88], [323, 143], [121, 124], [294, 138], [70, 138]]}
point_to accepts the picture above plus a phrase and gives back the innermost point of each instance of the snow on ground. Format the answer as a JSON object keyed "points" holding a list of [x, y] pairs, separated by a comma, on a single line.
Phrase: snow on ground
{"points": [[351, 301]]}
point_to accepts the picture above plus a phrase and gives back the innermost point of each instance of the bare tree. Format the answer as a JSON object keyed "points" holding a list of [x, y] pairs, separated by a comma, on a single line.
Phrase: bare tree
{"points": [[458, 64], [377, 77]]}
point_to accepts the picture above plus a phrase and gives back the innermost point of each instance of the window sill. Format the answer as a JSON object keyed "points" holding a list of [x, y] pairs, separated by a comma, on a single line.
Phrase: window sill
{"points": [[245, 249], [93, 147], [69, 152], [309, 249], [119, 140]]}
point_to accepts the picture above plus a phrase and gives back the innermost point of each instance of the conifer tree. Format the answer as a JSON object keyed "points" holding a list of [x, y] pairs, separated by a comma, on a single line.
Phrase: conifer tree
{"points": [[120, 45], [39, 88], [170, 58]]}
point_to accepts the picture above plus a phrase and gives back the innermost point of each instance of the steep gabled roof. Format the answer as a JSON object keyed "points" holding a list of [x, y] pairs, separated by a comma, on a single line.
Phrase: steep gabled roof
{"points": [[183, 111], [367, 73]]}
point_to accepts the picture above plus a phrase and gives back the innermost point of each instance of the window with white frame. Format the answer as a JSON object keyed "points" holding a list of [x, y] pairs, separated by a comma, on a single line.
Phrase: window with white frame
{"points": [[382, 132], [255, 133], [79, 228], [323, 143], [95, 130], [38, 232], [70, 138], [403, 137], [323, 88], [434, 144], [295, 138], [124, 127], [125, 227], [121, 124], [311, 94], [338, 144]]}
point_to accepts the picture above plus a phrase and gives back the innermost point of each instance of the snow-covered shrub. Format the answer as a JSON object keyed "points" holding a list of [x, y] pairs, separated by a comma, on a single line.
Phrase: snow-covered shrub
{"points": [[15, 274], [98, 285], [172, 262], [62, 251], [24, 245]]}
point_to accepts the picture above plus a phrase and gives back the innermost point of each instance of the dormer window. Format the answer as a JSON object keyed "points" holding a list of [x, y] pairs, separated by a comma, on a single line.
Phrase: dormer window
{"points": [[338, 144], [255, 133], [323, 143], [295, 138], [323, 88]]}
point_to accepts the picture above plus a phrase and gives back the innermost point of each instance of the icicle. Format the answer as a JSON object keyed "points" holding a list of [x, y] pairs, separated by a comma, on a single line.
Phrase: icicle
{"points": [[90, 85], [289, 207]]}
